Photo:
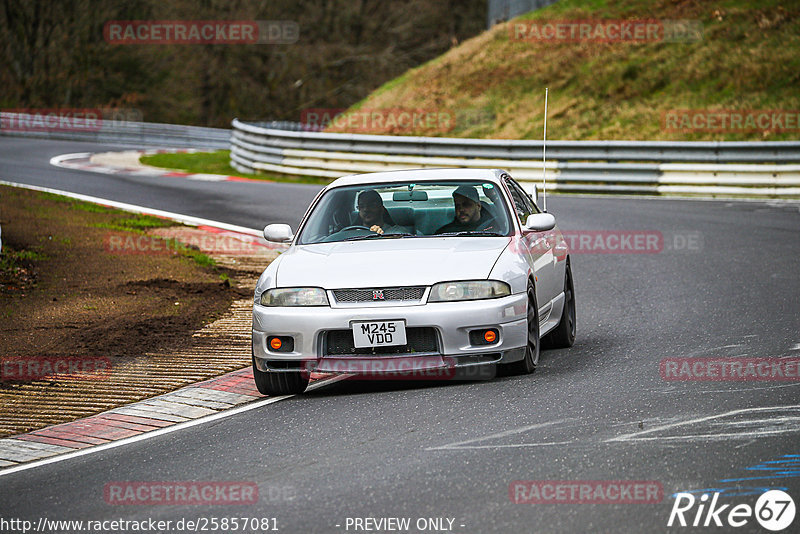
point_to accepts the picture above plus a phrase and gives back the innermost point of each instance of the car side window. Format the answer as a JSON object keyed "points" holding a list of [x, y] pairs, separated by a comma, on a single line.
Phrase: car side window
{"points": [[526, 197], [523, 205]]}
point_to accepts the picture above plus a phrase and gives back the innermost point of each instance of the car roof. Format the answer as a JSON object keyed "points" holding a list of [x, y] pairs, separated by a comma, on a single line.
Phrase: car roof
{"points": [[419, 175]]}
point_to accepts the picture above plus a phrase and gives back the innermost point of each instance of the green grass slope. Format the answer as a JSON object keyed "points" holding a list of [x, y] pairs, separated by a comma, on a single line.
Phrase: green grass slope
{"points": [[748, 58]]}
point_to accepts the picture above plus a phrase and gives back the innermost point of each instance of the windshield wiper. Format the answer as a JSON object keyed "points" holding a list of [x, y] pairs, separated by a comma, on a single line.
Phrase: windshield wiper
{"points": [[375, 236], [399, 235], [477, 233]]}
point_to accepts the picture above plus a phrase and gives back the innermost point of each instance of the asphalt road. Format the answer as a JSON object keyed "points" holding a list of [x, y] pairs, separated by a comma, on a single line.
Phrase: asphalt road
{"points": [[725, 285], [252, 205]]}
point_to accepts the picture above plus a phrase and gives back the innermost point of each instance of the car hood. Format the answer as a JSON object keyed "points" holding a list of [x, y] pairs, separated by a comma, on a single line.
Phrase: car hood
{"points": [[389, 262]]}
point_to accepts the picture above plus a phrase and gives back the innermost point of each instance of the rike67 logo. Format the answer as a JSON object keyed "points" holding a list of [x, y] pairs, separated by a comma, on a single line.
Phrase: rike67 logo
{"points": [[774, 510]]}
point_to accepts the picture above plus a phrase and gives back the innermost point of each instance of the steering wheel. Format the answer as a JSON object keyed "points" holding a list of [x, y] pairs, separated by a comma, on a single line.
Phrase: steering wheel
{"points": [[354, 228]]}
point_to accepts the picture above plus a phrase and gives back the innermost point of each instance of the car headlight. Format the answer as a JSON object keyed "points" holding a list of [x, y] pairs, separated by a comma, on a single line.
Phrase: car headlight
{"points": [[478, 289], [294, 296]]}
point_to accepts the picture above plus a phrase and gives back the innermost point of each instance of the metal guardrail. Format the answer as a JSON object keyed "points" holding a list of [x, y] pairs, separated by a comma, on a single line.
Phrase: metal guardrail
{"points": [[661, 151], [753, 169], [115, 132]]}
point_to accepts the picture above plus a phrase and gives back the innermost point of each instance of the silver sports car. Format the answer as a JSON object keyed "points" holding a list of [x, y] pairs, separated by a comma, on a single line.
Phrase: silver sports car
{"points": [[411, 271]]}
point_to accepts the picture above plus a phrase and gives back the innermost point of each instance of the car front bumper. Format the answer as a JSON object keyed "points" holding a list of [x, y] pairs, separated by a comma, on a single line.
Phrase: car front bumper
{"points": [[452, 322]]}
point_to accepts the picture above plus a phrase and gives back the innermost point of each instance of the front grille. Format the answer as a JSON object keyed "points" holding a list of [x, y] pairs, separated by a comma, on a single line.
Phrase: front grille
{"points": [[418, 340], [389, 294]]}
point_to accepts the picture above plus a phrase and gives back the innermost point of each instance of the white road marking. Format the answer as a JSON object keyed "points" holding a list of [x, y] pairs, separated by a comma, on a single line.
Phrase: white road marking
{"points": [[178, 217], [640, 436], [127, 162], [202, 177], [166, 430], [509, 446], [745, 389], [760, 421], [58, 161], [464, 444], [736, 429], [715, 436]]}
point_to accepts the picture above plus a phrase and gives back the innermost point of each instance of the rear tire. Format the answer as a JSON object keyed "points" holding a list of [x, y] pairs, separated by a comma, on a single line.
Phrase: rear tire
{"points": [[279, 382], [527, 365], [563, 336]]}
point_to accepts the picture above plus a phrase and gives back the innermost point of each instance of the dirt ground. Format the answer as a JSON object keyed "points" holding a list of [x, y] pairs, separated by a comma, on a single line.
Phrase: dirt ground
{"points": [[66, 294]]}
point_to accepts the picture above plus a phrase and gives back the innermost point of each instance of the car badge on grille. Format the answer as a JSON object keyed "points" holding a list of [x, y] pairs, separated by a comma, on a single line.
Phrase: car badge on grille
{"points": [[377, 294]]}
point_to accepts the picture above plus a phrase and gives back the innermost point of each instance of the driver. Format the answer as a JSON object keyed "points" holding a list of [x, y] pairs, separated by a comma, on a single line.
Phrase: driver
{"points": [[469, 213], [373, 215]]}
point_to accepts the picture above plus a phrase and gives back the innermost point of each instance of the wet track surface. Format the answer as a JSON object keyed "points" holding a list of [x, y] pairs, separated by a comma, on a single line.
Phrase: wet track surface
{"points": [[724, 284]]}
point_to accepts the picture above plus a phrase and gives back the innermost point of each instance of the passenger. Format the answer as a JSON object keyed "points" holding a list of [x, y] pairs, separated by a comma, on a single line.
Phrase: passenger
{"points": [[373, 215], [469, 214]]}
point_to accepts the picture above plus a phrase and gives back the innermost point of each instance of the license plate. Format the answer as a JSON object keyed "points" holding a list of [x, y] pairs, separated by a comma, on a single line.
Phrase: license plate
{"points": [[379, 333]]}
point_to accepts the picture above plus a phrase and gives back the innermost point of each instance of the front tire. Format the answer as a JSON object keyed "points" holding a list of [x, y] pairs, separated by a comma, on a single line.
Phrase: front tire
{"points": [[563, 336], [279, 382], [528, 364]]}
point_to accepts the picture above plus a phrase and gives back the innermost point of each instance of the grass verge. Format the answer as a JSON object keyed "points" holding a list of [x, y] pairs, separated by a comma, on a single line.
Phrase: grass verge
{"points": [[67, 292], [746, 60], [218, 162]]}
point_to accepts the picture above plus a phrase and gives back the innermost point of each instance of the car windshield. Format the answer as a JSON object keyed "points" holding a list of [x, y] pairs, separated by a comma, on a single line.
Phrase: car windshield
{"points": [[407, 210]]}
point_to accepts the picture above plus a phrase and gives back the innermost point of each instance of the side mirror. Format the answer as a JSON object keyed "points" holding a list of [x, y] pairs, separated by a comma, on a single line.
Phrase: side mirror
{"points": [[278, 233], [540, 222]]}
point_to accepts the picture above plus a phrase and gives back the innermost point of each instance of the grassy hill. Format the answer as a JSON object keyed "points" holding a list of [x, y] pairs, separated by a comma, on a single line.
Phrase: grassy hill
{"points": [[748, 58]]}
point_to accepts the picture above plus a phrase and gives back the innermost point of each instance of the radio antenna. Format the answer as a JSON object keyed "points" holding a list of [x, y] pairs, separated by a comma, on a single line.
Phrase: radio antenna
{"points": [[544, 152]]}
